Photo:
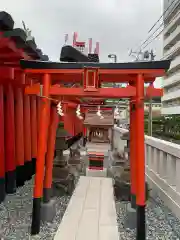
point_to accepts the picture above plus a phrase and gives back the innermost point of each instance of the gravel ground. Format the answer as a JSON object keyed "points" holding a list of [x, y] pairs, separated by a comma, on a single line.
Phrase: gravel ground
{"points": [[161, 223], [15, 216]]}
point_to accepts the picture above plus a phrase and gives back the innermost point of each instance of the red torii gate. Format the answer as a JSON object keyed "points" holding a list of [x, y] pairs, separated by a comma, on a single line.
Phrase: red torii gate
{"points": [[12, 155], [93, 74], [18, 124], [84, 106]]}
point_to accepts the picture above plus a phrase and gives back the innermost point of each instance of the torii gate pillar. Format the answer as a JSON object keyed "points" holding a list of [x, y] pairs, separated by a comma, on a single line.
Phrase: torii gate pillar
{"points": [[42, 146], [133, 151], [140, 160]]}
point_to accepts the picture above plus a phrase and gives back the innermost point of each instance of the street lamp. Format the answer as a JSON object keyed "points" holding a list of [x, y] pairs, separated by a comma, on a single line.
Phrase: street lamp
{"points": [[114, 56]]}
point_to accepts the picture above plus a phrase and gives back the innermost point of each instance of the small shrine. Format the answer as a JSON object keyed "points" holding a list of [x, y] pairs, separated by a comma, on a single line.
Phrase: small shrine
{"points": [[99, 126]]}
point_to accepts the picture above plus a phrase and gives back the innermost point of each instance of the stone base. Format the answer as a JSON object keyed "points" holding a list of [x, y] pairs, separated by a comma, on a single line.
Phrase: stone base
{"points": [[48, 211], [10, 182], [28, 170], [131, 217], [96, 173], [122, 190], [20, 176], [133, 201], [2, 189]]}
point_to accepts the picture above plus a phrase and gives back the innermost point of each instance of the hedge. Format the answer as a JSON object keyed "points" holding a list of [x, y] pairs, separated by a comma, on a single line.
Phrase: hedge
{"points": [[165, 127]]}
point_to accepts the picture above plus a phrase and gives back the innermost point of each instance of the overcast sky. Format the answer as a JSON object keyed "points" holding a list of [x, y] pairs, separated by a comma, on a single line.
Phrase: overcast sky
{"points": [[118, 25]]}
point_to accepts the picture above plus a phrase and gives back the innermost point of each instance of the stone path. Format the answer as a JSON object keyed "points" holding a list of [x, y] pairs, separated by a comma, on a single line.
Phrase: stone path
{"points": [[91, 212]]}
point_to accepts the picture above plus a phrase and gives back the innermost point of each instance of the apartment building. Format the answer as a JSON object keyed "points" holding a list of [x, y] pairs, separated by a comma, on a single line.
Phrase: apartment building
{"points": [[171, 49]]}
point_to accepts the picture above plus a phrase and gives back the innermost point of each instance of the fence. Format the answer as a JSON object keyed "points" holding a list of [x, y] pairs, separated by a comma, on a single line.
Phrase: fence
{"points": [[162, 168]]}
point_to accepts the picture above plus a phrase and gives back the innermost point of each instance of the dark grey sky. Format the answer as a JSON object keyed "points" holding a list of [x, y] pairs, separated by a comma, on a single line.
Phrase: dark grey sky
{"points": [[118, 25]]}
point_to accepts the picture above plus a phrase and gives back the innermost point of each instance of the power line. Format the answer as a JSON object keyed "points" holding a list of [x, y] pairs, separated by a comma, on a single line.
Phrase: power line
{"points": [[177, 3], [153, 39], [161, 16], [150, 37], [158, 29]]}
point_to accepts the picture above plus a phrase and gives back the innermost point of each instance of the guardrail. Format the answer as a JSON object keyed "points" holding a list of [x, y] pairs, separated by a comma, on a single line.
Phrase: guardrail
{"points": [[162, 168]]}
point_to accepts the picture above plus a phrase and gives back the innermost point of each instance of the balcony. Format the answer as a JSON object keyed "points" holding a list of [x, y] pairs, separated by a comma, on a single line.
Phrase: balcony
{"points": [[171, 95], [173, 51], [170, 110], [169, 27], [171, 80], [175, 65], [172, 39]]}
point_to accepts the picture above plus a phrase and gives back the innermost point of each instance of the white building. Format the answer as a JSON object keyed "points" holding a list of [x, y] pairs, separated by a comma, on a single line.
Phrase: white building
{"points": [[171, 47]]}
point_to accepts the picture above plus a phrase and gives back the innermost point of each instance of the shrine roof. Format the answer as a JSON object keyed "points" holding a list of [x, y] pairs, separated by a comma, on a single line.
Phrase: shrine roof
{"points": [[19, 37], [16, 43], [92, 119], [6, 21], [33, 64]]}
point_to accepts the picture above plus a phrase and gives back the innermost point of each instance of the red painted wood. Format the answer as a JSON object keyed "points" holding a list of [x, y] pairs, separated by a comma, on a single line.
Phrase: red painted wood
{"points": [[10, 162], [19, 127], [42, 138], [140, 150], [27, 129], [2, 150], [101, 93], [50, 147], [132, 144], [38, 115], [34, 126], [96, 168]]}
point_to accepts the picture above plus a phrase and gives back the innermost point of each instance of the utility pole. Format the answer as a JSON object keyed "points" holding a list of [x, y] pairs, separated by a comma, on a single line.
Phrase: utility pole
{"points": [[150, 118], [152, 56], [148, 56]]}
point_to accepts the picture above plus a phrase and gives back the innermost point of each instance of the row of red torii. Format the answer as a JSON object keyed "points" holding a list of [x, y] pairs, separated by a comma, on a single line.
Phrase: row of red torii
{"points": [[46, 79]]}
